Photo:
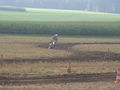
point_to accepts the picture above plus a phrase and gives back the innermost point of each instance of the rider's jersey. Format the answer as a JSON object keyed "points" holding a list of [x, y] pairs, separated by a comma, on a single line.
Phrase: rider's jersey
{"points": [[55, 38]]}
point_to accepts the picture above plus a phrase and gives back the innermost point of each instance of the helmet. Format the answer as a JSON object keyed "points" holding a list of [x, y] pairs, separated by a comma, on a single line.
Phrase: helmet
{"points": [[56, 34]]}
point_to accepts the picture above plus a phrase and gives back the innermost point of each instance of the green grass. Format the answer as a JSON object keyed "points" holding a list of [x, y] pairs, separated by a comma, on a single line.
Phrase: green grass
{"points": [[62, 36], [64, 22], [29, 35], [57, 15]]}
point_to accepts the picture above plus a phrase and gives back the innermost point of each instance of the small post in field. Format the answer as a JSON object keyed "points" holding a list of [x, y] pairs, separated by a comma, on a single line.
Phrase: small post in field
{"points": [[108, 50], [2, 59], [109, 56], [69, 70], [69, 63]]}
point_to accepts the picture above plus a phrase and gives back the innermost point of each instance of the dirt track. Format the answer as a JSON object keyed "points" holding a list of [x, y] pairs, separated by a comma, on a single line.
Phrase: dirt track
{"points": [[68, 78], [77, 55]]}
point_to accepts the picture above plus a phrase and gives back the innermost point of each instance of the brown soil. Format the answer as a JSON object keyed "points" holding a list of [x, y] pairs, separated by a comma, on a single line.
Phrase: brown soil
{"points": [[76, 55], [67, 78]]}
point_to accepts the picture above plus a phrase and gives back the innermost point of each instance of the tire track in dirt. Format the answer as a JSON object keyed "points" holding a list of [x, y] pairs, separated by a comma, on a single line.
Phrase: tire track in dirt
{"points": [[76, 55], [67, 78], [66, 46], [85, 55]]}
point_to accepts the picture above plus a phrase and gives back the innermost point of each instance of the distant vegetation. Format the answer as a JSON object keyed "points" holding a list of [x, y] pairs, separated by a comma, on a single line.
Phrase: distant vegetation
{"points": [[12, 9], [63, 22], [62, 28], [48, 15]]}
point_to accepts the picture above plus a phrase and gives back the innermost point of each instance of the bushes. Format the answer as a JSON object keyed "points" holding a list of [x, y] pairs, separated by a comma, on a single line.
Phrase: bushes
{"points": [[62, 28]]}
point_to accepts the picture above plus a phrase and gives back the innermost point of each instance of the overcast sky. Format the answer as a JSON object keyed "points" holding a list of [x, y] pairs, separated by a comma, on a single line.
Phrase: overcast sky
{"points": [[90, 5]]}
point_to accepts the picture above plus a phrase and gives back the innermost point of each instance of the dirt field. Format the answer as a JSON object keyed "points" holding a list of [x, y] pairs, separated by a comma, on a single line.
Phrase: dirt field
{"points": [[67, 86], [26, 61], [102, 47], [35, 49]]}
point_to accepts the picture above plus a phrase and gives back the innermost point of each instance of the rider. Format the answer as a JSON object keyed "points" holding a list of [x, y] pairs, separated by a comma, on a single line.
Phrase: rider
{"points": [[53, 41], [55, 38]]}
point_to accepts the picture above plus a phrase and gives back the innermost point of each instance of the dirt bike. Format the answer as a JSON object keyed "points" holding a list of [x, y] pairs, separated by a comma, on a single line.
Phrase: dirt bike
{"points": [[52, 44]]}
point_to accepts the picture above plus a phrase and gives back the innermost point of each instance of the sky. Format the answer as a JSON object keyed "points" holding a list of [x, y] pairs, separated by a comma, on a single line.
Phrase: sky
{"points": [[112, 6]]}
